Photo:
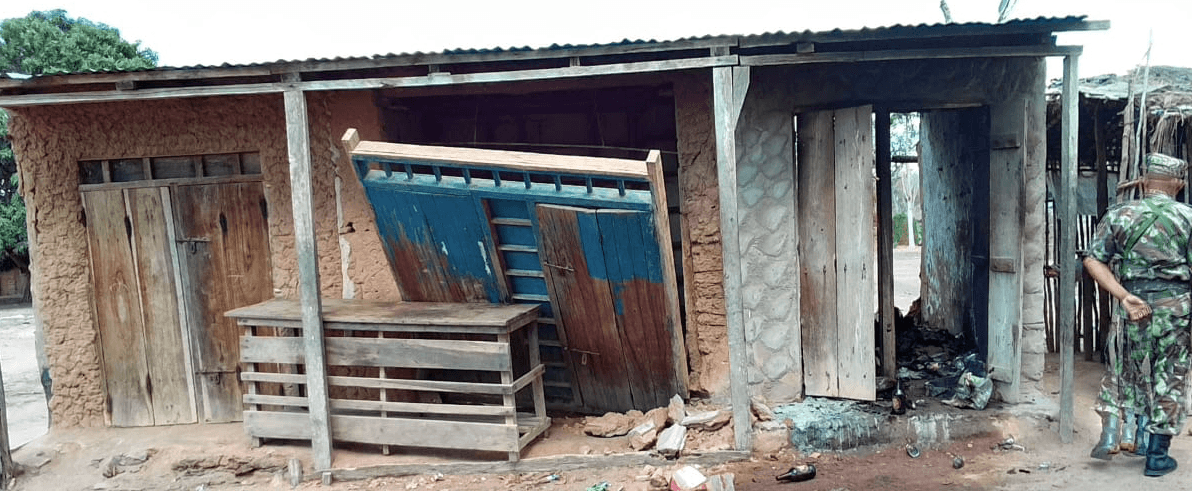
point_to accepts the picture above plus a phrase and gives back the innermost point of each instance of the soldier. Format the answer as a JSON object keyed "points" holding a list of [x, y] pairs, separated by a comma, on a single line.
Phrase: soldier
{"points": [[1148, 241]]}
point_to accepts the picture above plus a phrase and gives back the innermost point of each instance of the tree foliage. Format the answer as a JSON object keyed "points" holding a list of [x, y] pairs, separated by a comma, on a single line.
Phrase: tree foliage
{"points": [[44, 43]]}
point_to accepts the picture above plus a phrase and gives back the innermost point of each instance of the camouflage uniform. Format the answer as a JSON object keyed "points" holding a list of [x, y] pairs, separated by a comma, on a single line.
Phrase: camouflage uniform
{"points": [[1149, 359]]}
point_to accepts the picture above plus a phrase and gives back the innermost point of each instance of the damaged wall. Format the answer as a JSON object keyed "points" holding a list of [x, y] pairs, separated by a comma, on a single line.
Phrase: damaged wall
{"points": [[765, 180], [50, 140]]}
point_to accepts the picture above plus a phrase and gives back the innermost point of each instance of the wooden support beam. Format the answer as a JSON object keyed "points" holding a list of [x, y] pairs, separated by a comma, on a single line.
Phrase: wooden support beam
{"points": [[728, 88], [301, 195], [1066, 255], [432, 79], [885, 241], [908, 54]]}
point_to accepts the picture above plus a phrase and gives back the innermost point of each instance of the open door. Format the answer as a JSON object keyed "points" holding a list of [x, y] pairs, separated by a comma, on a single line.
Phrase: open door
{"points": [[837, 246]]}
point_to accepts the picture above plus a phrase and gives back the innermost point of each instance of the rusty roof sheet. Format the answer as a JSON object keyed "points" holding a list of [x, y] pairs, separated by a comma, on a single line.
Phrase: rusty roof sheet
{"points": [[1036, 25]]}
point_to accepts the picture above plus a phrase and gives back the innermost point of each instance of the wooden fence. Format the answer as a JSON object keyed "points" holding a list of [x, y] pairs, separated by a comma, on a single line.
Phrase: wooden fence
{"points": [[1092, 305]]}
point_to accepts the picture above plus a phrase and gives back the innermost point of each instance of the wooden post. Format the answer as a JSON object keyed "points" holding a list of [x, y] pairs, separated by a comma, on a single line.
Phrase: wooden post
{"points": [[7, 466], [726, 106], [301, 195], [1066, 256], [1103, 312], [885, 241]]}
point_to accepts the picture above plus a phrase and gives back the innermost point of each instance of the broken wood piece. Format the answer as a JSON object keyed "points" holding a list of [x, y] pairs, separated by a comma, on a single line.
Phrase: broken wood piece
{"points": [[294, 470]]}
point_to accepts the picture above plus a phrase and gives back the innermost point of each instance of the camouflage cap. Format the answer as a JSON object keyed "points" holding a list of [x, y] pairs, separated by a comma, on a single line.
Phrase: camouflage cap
{"points": [[1164, 165]]}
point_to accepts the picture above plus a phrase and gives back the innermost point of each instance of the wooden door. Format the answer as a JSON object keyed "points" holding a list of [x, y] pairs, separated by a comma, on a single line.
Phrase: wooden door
{"points": [[223, 246], [837, 249], [136, 305], [604, 276]]}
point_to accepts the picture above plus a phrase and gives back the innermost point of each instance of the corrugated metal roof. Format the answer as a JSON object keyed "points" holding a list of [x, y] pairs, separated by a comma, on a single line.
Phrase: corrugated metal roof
{"points": [[1037, 25]]}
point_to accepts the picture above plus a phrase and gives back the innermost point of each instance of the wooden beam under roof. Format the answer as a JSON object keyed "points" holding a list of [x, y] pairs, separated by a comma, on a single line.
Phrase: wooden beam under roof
{"points": [[911, 54], [912, 32], [433, 79]]}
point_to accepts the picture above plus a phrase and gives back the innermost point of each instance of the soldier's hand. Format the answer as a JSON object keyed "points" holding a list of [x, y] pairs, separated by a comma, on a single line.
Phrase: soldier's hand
{"points": [[1136, 308]]}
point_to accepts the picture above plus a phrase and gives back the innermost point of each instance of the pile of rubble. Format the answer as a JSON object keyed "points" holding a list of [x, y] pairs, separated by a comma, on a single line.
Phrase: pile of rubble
{"points": [[665, 429]]}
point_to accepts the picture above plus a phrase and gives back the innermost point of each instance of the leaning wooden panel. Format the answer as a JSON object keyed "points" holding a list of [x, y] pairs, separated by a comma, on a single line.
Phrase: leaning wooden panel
{"points": [[583, 300], [817, 252], [855, 252], [171, 383], [633, 268], [118, 309]]}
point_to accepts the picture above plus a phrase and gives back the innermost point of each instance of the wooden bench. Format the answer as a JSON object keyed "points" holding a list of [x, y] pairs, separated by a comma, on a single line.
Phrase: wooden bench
{"points": [[428, 338]]}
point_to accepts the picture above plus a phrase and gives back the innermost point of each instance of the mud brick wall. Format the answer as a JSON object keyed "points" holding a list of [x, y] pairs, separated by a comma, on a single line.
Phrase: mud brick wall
{"points": [[49, 142]]}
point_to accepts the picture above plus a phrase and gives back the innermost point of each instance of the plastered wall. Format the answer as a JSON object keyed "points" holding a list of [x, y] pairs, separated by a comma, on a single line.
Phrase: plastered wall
{"points": [[49, 141]]}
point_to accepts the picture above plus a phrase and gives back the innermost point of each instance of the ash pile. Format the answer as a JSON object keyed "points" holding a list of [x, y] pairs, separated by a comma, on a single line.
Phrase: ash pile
{"points": [[935, 364]]}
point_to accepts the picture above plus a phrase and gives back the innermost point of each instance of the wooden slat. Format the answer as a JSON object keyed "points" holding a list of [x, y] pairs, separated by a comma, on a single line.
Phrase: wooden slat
{"points": [[394, 407], [885, 240], [503, 159], [582, 297], [388, 352], [389, 431], [462, 317], [672, 323], [817, 218], [1006, 166], [157, 183], [118, 310], [373, 383], [153, 250], [855, 282], [514, 222]]}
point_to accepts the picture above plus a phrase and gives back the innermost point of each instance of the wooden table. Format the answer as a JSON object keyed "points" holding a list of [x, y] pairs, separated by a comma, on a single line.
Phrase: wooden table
{"points": [[468, 338]]}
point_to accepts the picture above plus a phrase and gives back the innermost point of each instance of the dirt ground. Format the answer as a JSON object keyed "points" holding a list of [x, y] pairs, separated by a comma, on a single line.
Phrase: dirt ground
{"points": [[220, 457]]}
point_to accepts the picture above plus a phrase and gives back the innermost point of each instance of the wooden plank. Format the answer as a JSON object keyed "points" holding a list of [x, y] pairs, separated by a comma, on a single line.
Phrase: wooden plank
{"points": [[728, 92], [393, 407], [670, 284], [885, 248], [375, 383], [817, 218], [426, 433], [301, 197], [502, 159], [224, 246], [576, 277], [418, 315], [118, 310], [180, 296], [1066, 255], [371, 327], [371, 83], [158, 183], [166, 359], [910, 54], [1006, 166], [388, 352], [633, 270], [855, 282]]}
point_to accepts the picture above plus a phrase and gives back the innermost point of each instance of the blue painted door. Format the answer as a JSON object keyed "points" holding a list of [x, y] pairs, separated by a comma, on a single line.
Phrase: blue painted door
{"points": [[604, 275], [437, 245]]}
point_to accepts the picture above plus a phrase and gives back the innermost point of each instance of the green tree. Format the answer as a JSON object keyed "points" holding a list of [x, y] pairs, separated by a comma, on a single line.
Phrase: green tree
{"points": [[47, 43]]}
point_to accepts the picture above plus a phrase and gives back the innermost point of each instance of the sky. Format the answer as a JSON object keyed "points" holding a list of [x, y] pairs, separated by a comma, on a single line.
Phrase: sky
{"points": [[214, 32]]}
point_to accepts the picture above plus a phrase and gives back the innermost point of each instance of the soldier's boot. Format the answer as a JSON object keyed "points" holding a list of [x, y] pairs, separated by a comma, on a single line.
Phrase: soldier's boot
{"points": [[1108, 445], [1141, 437], [1158, 463], [1128, 444]]}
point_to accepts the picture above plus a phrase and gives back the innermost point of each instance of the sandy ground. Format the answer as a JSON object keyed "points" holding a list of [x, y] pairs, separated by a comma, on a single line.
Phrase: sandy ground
{"points": [[221, 457]]}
